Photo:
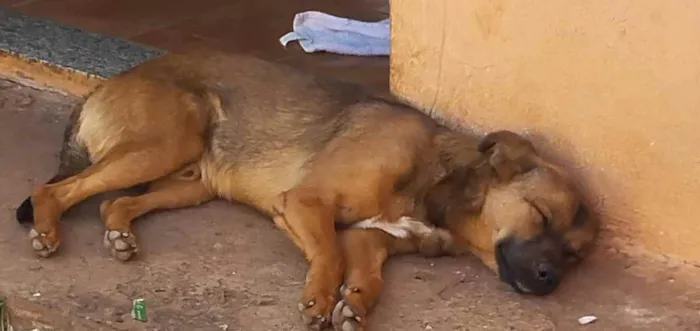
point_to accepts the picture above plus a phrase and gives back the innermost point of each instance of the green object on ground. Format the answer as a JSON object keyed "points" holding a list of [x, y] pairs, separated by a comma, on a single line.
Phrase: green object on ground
{"points": [[139, 310]]}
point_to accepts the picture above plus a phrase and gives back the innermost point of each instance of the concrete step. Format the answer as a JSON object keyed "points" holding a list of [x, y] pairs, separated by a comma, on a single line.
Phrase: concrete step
{"points": [[49, 55]]}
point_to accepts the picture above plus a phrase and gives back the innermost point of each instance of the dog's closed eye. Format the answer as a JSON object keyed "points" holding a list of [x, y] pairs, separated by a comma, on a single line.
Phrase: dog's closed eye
{"points": [[544, 212], [545, 219]]}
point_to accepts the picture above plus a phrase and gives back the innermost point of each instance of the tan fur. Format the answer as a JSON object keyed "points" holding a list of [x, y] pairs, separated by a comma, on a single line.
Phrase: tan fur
{"points": [[314, 155]]}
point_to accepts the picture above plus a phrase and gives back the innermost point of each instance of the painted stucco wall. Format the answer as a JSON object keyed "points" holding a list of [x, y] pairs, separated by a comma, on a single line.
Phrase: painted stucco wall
{"points": [[610, 87]]}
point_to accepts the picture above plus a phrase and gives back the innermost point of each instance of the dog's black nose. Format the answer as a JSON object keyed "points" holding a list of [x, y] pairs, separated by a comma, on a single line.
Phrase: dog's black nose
{"points": [[546, 273]]}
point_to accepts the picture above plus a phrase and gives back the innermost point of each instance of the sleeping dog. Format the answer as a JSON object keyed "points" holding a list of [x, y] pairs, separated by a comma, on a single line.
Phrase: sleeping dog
{"points": [[351, 178]]}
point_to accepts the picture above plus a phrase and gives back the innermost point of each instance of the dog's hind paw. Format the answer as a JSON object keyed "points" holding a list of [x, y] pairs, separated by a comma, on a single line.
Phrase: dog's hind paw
{"points": [[121, 244], [43, 244]]}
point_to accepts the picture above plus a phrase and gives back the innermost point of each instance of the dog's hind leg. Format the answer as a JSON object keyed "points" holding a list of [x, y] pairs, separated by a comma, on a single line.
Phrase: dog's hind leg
{"points": [[123, 167], [73, 159], [182, 189]]}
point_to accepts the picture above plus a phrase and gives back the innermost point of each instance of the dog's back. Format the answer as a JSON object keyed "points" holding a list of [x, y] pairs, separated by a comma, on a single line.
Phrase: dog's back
{"points": [[276, 120], [262, 123]]}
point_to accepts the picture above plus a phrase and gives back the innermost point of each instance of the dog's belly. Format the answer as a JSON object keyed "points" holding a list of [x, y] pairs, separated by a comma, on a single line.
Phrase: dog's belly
{"points": [[255, 182]]}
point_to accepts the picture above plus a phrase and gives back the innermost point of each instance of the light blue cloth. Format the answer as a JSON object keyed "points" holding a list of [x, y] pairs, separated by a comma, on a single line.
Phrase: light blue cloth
{"points": [[316, 32]]}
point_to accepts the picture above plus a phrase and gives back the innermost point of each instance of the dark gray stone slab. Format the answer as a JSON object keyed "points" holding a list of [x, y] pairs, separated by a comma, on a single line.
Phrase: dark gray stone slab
{"points": [[69, 47]]}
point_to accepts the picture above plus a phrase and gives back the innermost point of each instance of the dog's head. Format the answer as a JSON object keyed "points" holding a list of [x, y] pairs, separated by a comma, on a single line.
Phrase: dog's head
{"points": [[520, 214]]}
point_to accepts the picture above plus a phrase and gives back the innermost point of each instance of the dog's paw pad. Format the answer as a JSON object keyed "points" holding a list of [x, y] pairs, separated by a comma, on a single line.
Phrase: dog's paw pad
{"points": [[346, 318], [41, 243], [121, 244]]}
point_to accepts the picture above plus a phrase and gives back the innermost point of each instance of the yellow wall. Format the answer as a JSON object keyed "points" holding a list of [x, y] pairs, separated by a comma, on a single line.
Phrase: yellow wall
{"points": [[611, 86]]}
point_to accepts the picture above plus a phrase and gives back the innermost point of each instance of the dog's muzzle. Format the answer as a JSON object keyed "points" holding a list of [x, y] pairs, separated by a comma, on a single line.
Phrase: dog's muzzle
{"points": [[529, 266]]}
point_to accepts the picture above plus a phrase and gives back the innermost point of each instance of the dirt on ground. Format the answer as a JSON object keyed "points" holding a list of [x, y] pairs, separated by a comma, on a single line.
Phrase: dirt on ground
{"points": [[222, 266]]}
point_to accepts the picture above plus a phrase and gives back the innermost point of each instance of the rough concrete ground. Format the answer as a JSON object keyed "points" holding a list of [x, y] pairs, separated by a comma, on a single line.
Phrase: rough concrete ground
{"points": [[222, 266]]}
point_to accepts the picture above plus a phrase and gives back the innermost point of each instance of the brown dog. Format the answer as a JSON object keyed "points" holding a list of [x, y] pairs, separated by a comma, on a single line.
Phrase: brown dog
{"points": [[314, 155]]}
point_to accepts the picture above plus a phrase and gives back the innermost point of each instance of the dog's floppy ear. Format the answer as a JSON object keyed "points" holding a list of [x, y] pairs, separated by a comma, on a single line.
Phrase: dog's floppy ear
{"points": [[508, 153], [462, 191]]}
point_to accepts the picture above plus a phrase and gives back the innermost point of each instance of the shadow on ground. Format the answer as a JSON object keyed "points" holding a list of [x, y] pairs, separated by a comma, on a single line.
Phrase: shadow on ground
{"points": [[222, 266]]}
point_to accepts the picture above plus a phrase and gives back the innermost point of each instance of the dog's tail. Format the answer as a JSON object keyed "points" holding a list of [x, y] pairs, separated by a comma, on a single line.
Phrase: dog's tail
{"points": [[74, 158]]}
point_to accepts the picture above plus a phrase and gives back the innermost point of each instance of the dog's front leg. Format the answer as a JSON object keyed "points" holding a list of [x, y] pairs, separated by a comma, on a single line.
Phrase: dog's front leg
{"points": [[365, 251], [308, 219], [365, 248]]}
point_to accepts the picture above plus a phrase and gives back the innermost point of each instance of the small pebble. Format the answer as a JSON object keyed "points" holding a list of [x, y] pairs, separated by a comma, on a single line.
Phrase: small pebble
{"points": [[223, 327], [428, 327], [218, 246], [36, 295], [587, 320]]}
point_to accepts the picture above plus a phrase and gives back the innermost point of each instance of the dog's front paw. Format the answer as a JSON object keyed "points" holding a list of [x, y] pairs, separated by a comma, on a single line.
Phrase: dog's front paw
{"points": [[44, 243], [346, 315], [121, 244], [316, 311]]}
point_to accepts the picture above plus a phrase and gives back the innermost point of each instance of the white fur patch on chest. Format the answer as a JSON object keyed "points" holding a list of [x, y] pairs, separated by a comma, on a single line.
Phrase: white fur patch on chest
{"points": [[405, 227]]}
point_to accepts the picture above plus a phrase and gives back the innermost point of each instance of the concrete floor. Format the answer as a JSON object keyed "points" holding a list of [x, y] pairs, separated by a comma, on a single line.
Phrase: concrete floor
{"points": [[222, 266]]}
